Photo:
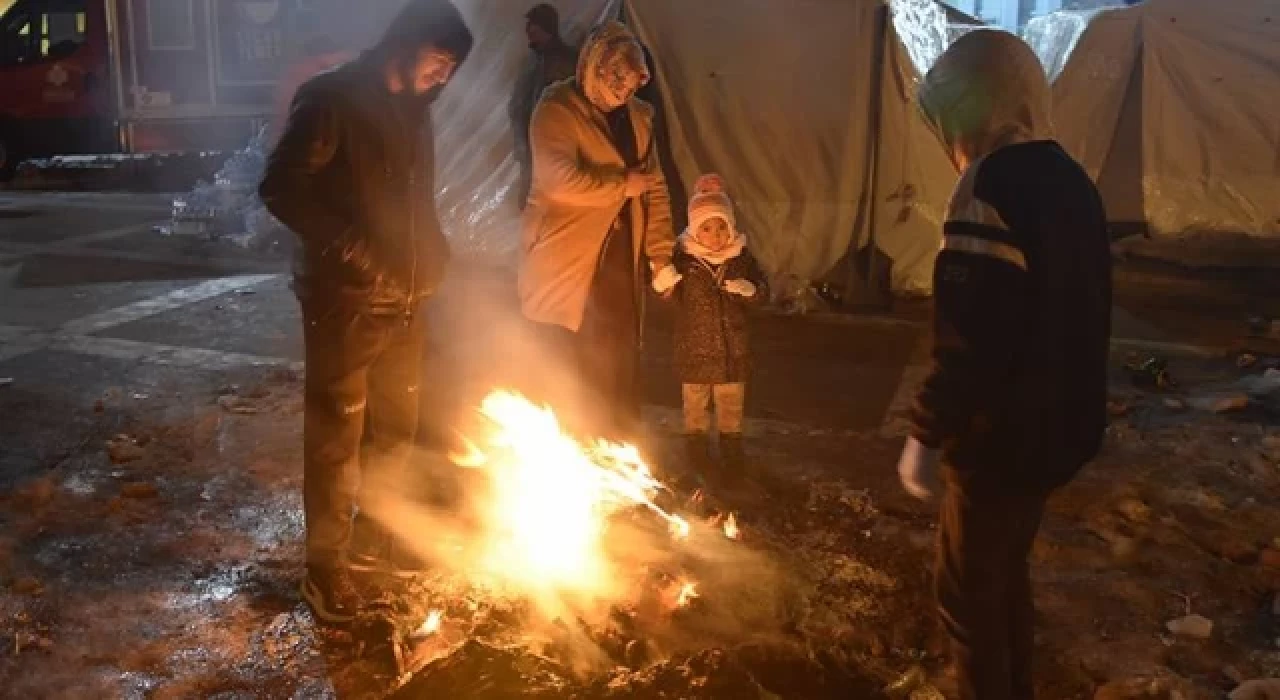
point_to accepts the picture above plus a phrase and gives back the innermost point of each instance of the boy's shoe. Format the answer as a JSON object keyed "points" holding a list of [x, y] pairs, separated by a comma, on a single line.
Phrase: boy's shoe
{"points": [[331, 594]]}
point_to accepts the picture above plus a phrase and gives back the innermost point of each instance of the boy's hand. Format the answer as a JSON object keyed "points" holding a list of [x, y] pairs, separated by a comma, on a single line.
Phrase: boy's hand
{"points": [[743, 288], [918, 471], [666, 279]]}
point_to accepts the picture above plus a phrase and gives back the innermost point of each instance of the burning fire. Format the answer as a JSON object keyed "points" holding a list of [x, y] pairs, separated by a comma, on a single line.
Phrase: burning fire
{"points": [[431, 625], [552, 498], [688, 591], [731, 527]]}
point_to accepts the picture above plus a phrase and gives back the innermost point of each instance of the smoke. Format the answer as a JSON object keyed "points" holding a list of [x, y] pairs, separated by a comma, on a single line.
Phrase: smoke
{"points": [[476, 165], [448, 517], [740, 590]]}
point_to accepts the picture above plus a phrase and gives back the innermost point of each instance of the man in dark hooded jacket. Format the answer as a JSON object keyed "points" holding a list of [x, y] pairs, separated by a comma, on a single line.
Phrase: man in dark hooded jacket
{"points": [[353, 178], [1015, 404]]}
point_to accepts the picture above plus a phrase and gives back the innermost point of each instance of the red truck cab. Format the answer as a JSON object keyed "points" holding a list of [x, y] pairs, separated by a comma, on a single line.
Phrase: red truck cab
{"points": [[55, 79], [147, 76]]}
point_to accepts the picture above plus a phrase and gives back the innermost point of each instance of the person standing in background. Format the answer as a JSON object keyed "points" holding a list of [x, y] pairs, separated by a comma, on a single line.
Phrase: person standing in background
{"points": [[553, 61]]}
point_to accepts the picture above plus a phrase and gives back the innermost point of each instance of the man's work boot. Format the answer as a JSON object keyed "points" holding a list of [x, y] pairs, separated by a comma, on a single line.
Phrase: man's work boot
{"points": [[370, 546], [375, 551], [405, 561], [331, 594]]}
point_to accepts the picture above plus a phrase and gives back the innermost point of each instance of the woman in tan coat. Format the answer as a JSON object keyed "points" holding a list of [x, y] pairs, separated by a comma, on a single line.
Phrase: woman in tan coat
{"points": [[598, 210]]}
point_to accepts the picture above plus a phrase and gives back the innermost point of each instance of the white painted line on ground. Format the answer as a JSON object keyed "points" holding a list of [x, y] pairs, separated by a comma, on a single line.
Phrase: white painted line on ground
{"points": [[161, 354], [165, 302], [16, 341]]}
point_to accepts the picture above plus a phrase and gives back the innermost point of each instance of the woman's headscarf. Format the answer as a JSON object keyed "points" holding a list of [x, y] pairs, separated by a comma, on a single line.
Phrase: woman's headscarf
{"points": [[988, 90], [611, 57]]}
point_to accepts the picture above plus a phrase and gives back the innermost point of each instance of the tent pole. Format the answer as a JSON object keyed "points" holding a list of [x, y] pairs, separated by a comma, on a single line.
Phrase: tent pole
{"points": [[866, 282]]}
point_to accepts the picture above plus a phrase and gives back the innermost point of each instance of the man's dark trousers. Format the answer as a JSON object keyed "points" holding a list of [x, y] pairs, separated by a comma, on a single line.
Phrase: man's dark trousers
{"points": [[363, 370], [983, 580]]}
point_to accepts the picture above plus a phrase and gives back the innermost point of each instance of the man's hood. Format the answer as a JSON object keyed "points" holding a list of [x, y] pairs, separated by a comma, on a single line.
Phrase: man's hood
{"points": [[988, 90]]}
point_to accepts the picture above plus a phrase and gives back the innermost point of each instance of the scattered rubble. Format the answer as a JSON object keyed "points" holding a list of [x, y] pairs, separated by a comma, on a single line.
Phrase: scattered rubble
{"points": [[1117, 408], [139, 490], [123, 449], [237, 405], [1257, 690], [1161, 687], [1150, 373], [1270, 558], [1135, 510], [1193, 626], [27, 585], [1221, 403], [913, 685]]}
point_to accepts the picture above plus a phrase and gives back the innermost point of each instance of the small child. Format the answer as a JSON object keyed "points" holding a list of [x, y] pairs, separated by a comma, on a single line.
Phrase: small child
{"points": [[719, 280]]}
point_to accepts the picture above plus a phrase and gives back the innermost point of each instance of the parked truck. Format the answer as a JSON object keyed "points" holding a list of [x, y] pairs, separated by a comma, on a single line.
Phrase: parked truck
{"points": [[143, 76]]}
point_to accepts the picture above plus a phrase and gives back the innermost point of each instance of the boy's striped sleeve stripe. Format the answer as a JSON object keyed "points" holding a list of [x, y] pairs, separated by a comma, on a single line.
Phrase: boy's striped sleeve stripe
{"points": [[976, 245], [975, 227]]}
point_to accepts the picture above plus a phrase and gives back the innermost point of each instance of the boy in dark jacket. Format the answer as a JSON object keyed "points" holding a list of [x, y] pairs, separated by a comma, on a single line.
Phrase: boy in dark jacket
{"points": [[719, 280], [1015, 403]]}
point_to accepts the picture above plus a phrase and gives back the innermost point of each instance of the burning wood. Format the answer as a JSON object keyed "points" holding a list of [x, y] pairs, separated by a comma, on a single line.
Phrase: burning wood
{"points": [[430, 626], [688, 591], [551, 499], [731, 527], [570, 550]]}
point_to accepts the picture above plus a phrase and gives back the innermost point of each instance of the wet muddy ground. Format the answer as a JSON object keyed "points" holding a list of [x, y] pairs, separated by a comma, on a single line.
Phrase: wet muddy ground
{"points": [[150, 510], [159, 558]]}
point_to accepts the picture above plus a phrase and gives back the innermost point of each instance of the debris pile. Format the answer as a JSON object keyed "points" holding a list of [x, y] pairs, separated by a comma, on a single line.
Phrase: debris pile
{"points": [[228, 209]]}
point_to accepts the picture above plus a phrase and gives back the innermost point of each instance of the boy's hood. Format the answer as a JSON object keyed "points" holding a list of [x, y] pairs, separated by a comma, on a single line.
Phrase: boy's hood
{"points": [[988, 90]]}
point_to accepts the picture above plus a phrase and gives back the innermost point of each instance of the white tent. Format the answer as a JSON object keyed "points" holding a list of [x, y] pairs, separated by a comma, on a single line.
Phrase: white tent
{"points": [[803, 105], [1174, 108]]}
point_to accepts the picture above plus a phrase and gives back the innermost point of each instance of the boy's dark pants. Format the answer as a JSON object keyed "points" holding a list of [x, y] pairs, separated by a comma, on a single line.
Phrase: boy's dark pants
{"points": [[362, 400], [983, 585]]}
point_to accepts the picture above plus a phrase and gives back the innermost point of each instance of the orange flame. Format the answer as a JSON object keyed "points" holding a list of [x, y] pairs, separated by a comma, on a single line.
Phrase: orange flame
{"points": [[731, 527], [431, 625], [688, 591], [551, 498]]}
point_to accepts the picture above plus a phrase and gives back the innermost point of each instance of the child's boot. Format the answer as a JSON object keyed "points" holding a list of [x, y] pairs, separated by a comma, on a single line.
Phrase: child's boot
{"points": [[699, 461], [734, 456]]}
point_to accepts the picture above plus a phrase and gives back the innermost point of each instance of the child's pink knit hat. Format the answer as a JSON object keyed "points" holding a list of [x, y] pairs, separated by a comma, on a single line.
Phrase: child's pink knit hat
{"points": [[709, 200]]}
